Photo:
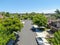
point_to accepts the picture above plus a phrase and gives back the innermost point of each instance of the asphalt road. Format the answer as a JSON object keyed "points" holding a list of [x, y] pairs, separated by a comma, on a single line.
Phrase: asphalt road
{"points": [[27, 37]]}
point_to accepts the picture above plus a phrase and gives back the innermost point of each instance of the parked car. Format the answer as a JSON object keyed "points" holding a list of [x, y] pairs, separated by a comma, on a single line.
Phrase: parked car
{"points": [[22, 21], [39, 41], [42, 41], [11, 42], [34, 27], [42, 28]]}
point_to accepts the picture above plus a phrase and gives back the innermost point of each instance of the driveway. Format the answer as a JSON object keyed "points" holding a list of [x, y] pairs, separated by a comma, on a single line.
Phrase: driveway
{"points": [[27, 37]]}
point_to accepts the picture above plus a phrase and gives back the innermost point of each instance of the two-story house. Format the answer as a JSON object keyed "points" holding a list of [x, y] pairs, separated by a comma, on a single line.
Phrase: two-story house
{"points": [[55, 25]]}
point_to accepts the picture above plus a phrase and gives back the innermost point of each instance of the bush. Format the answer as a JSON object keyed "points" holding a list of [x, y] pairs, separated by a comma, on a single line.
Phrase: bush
{"points": [[56, 39]]}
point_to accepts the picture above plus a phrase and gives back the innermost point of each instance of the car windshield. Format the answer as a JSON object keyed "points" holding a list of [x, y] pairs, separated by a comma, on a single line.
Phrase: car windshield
{"points": [[39, 39]]}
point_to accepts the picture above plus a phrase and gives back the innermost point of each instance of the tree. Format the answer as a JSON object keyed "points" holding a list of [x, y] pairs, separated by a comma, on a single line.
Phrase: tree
{"points": [[7, 14], [7, 26], [2, 13], [12, 24], [57, 15], [57, 11], [33, 13], [40, 20]]}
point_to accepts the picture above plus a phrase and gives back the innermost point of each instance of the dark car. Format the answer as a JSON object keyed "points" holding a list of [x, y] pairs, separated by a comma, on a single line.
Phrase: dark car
{"points": [[34, 27]]}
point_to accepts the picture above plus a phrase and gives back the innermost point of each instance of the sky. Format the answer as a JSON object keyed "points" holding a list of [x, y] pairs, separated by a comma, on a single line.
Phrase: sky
{"points": [[22, 6]]}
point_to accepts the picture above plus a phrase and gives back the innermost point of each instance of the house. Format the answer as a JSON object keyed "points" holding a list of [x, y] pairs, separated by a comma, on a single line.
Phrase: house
{"points": [[54, 25], [1, 16]]}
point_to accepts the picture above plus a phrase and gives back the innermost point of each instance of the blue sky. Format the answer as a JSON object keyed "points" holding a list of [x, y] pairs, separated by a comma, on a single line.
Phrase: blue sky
{"points": [[29, 5]]}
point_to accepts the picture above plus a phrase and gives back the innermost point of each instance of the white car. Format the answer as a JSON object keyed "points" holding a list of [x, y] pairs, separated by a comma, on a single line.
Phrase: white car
{"points": [[22, 21], [39, 41], [42, 41]]}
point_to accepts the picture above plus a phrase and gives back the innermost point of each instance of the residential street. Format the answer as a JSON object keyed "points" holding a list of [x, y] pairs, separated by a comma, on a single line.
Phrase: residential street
{"points": [[27, 37]]}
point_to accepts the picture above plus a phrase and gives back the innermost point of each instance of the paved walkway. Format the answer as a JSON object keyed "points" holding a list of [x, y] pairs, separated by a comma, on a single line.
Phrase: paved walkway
{"points": [[27, 37]]}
